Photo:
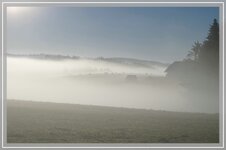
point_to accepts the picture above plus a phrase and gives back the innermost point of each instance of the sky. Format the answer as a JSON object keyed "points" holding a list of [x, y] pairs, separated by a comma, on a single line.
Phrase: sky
{"points": [[164, 34]]}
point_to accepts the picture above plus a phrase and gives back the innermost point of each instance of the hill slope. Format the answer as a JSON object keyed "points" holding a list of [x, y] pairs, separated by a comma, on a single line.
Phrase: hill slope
{"points": [[42, 122]]}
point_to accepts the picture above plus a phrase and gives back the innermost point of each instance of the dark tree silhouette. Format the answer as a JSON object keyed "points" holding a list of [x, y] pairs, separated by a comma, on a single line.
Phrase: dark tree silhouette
{"points": [[203, 62], [194, 52], [209, 53]]}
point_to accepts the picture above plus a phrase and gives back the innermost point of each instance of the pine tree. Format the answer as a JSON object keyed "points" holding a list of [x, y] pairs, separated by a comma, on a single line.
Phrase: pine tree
{"points": [[209, 53], [195, 50]]}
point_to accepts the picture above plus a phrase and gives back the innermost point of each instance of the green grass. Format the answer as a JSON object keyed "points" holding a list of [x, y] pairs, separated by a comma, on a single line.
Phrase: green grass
{"points": [[42, 122]]}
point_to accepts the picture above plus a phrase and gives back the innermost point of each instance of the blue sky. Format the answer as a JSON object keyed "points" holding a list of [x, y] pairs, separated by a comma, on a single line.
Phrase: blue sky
{"points": [[154, 33]]}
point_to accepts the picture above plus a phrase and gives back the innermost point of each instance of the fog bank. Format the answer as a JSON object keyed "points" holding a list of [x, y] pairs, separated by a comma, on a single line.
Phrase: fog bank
{"points": [[96, 82]]}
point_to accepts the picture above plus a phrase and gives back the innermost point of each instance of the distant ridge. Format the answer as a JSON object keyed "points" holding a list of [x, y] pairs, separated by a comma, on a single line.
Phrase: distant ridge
{"points": [[118, 60], [44, 56]]}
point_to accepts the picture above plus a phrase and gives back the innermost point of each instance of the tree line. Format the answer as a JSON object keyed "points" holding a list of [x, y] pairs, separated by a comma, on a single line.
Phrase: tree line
{"points": [[201, 65]]}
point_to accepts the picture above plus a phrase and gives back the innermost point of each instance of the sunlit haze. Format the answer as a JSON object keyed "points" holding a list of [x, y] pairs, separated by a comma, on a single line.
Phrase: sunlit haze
{"points": [[108, 56]]}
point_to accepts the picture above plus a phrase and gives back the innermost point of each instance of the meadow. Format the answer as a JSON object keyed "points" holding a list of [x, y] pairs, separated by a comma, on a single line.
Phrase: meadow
{"points": [[45, 122]]}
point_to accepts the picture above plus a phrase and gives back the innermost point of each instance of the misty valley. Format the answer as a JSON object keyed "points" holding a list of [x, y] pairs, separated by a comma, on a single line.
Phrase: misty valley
{"points": [[103, 100], [114, 82], [79, 91]]}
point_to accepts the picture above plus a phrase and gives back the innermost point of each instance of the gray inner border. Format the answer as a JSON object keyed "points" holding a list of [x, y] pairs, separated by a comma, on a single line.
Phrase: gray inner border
{"points": [[148, 145]]}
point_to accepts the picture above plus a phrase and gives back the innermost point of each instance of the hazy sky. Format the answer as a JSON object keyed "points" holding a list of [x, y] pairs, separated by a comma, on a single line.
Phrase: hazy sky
{"points": [[153, 33]]}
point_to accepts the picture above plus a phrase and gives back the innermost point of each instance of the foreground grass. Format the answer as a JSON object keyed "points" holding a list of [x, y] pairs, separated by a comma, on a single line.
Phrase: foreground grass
{"points": [[42, 122]]}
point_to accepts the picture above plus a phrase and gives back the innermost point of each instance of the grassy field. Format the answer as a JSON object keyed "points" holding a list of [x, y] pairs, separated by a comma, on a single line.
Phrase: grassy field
{"points": [[42, 122]]}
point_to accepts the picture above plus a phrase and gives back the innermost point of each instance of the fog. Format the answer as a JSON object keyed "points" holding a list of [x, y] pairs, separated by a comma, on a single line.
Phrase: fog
{"points": [[105, 83]]}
